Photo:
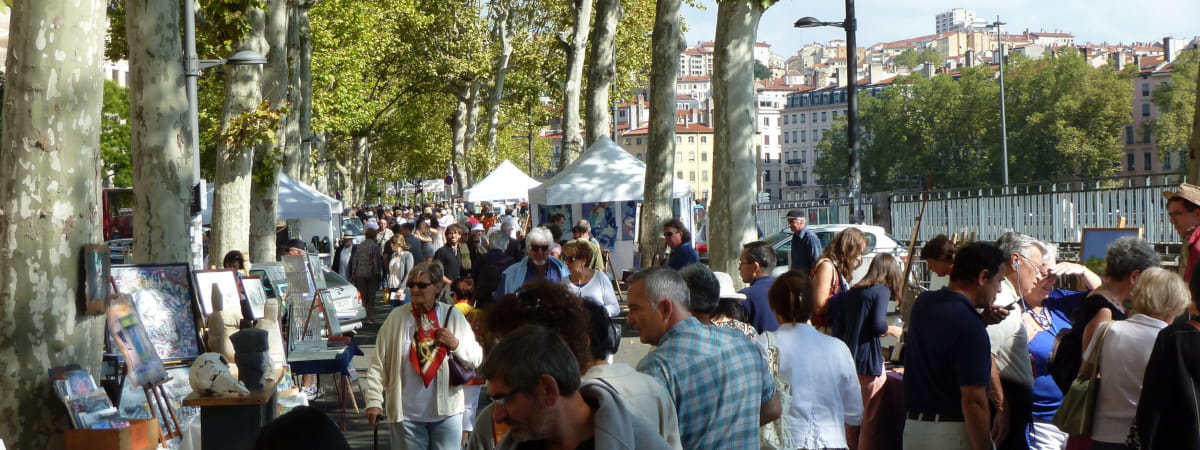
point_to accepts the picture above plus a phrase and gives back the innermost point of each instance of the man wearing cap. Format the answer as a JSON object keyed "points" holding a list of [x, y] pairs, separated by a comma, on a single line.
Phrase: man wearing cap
{"points": [[1183, 208], [806, 248], [583, 232], [755, 266]]}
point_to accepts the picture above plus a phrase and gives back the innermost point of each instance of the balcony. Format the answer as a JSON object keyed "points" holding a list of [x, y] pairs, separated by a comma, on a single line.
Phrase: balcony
{"points": [[795, 161], [795, 183]]}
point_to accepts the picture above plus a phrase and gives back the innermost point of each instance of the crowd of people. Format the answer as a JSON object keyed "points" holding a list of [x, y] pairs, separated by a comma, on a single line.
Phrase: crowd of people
{"points": [[502, 338]]}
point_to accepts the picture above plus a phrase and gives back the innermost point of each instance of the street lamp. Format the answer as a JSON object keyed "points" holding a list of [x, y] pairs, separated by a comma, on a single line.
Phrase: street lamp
{"points": [[1003, 122], [850, 25], [192, 66]]}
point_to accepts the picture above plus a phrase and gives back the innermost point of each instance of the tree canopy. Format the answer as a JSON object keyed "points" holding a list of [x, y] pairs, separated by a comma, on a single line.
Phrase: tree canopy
{"points": [[1065, 119]]}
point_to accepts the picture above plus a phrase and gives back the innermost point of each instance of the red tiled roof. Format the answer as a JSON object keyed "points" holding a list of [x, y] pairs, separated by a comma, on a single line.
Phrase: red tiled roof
{"points": [[693, 78], [1046, 34], [684, 97], [691, 128]]}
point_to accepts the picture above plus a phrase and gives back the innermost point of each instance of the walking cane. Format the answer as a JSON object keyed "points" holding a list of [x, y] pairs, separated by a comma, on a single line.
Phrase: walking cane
{"points": [[375, 438]]}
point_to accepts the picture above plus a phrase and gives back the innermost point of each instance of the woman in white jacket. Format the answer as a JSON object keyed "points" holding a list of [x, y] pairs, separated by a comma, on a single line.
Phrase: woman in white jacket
{"points": [[410, 372]]}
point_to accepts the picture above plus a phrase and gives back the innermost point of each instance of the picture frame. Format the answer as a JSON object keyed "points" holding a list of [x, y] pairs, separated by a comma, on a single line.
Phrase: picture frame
{"points": [[602, 218], [129, 336], [165, 300], [1094, 244], [227, 281], [97, 287], [318, 275], [256, 294]]}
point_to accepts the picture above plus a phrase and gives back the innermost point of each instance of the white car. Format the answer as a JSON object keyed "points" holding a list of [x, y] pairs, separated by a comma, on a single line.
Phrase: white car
{"points": [[878, 241], [344, 296]]}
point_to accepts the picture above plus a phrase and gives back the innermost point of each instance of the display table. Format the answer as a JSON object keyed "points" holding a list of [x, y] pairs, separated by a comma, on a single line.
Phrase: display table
{"points": [[337, 362], [232, 421]]}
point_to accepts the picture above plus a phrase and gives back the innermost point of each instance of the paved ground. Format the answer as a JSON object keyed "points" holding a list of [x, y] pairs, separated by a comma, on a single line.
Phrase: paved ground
{"points": [[359, 434]]}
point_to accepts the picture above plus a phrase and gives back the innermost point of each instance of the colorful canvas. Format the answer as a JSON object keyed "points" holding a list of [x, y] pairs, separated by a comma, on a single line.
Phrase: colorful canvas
{"points": [[96, 286], [603, 219], [129, 337], [629, 221], [163, 297]]}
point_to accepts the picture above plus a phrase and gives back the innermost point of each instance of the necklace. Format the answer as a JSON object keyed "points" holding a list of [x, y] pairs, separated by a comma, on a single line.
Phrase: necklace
{"points": [[1043, 319]]}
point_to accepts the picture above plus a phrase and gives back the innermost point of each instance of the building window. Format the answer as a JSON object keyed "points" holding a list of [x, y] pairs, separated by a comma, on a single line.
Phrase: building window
{"points": [[640, 156], [678, 156], [766, 139], [1146, 161], [692, 175], [679, 174], [691, 139], [1147, 133], [835, 115], [785, 138], [678, 139], [627, 141], [794, 136], [803, 156], [766, 121], [704, 156], [824, 117], [639, 141], [1145, 89], [785, 119], [1129, 135], [1129, 161], [766, 157], [1145, 110], [703, 139], [814, 117], [804, 177], [801, 118], [1167, 161], [803, 136], [691, 156], [703, 175]]}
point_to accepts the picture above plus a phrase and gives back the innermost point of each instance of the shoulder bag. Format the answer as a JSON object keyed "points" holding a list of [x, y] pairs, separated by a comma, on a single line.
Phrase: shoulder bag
{"points": [[460, 374], [776, 435], [1075, 414]]}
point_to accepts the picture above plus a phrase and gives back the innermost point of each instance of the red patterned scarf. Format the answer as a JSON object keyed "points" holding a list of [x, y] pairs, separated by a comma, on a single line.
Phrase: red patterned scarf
{"points": [[426, 355]]}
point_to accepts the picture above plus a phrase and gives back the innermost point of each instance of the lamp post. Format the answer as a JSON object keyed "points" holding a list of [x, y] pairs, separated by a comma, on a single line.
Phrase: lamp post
{"points": [[192, 66], [850, 25], [1003, 121]]}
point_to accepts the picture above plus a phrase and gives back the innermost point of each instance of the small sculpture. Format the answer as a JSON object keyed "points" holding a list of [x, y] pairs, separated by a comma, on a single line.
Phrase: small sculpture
{"points": [[220, 325], [251, 355], [270, 323], [210, 376]]}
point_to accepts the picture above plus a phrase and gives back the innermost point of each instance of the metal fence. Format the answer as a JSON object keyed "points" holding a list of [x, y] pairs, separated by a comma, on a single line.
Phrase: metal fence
{"points": [[1054, 212], [770, 216]]}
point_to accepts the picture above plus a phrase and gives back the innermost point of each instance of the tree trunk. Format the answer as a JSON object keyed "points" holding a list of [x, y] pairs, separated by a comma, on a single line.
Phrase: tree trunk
{"points": [[506, 48], [292, 164], [731, 220], [574, 42], [231, 195], [602, 69], [667, 41], [162, 160], [264, 192], [49, 209], [321, 170], [461, 184], [458, 130], [357, 182], [305, 105]]}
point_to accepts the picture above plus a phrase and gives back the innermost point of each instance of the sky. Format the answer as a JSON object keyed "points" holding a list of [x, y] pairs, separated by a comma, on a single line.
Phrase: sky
{"points": [[1093, 21]]}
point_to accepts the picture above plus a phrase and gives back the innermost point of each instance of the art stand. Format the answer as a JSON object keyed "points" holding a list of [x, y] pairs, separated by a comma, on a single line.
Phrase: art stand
{"points": [[158, 396]]}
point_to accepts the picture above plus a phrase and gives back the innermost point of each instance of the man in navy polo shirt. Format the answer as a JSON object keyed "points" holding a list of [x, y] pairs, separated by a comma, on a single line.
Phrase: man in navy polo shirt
{"points": [[948, 356]]}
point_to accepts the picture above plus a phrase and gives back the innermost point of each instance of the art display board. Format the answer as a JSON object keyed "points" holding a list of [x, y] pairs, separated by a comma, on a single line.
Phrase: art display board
{"points": [[299, 280], [624, 247], [1094, 244], [96, 284], [256, 295], [318, 275], [162, 295], [128, 336], [227, 281]]}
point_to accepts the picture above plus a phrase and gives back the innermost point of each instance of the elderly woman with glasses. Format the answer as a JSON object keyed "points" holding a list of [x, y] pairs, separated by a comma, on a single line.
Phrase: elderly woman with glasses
{"points": [[584, 281], [409, 374], [536, 265]]}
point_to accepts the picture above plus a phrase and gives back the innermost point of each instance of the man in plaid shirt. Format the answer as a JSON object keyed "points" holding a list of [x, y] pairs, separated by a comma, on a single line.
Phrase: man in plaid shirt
{"points": [[719, 380]]}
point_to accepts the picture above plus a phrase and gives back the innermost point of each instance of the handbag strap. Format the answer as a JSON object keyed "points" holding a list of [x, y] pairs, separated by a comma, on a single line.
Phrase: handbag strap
{"points": [[1091, 367], [1194, 324]]}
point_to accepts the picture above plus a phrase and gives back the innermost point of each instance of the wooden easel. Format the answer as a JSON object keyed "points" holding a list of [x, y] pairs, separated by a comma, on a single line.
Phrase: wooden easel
{"points": [[612, 273], [156, 395]]}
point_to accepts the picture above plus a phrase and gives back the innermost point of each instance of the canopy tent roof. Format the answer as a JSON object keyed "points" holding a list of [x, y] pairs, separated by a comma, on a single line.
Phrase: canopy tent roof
{"points": [[296, 201], [507, 182], [603, 173]]}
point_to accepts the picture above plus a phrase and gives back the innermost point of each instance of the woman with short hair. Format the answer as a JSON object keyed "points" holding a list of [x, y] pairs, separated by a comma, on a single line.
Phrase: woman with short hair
{"points": [[584, 281]]}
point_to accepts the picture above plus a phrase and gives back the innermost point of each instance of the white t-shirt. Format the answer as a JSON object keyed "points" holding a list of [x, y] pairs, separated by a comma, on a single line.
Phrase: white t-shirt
{"points": [[598, 290]]}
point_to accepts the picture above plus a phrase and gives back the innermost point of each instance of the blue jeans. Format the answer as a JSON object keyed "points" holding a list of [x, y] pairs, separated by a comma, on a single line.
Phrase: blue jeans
{"points": [[445, 434]]}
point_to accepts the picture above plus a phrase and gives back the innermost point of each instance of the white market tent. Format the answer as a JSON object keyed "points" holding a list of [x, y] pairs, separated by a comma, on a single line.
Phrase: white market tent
{"points": [[507, 182], [606, 174], [310, 211]]}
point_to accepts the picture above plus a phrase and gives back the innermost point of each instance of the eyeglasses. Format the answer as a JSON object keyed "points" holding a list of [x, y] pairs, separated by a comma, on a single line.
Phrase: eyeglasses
{"points": [[503, 399], [418, 285], [1040, 268], [539, 248], [668, 234], [571, 259]]}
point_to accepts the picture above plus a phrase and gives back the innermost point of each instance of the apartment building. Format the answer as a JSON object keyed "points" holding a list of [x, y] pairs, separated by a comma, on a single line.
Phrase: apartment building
{"points": [[693, 154]]}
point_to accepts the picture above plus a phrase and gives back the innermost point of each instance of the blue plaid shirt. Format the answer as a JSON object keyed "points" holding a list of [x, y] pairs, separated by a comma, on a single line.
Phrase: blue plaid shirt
{"points": [[719, 381]]}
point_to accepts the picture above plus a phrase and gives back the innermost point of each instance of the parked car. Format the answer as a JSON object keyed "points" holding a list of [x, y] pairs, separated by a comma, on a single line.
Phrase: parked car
{"points": [[344, 296], [878, 241]]}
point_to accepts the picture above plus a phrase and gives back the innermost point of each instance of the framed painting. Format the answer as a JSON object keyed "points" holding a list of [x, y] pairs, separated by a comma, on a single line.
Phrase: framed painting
{"points": [[225, 280], [1094, 245], [165, 301], [96, 286], [603, 219], [629, 217], [130, 338], [256, 295]]}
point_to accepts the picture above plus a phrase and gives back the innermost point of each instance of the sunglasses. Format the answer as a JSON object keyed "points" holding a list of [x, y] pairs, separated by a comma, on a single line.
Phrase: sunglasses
{"points": [[539, 248], [418, 285], [668, 234], [571, 259]]}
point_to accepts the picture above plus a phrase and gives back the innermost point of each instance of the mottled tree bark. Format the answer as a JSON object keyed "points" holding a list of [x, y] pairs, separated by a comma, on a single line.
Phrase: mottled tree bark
{"points": [[292, 164], [574, 43], [493, 115], [162, 159], [231, 193], [49, 209], [660, 151], [469, 139], [458, 131], [264, 191], [731, 220], [602, 67]]}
